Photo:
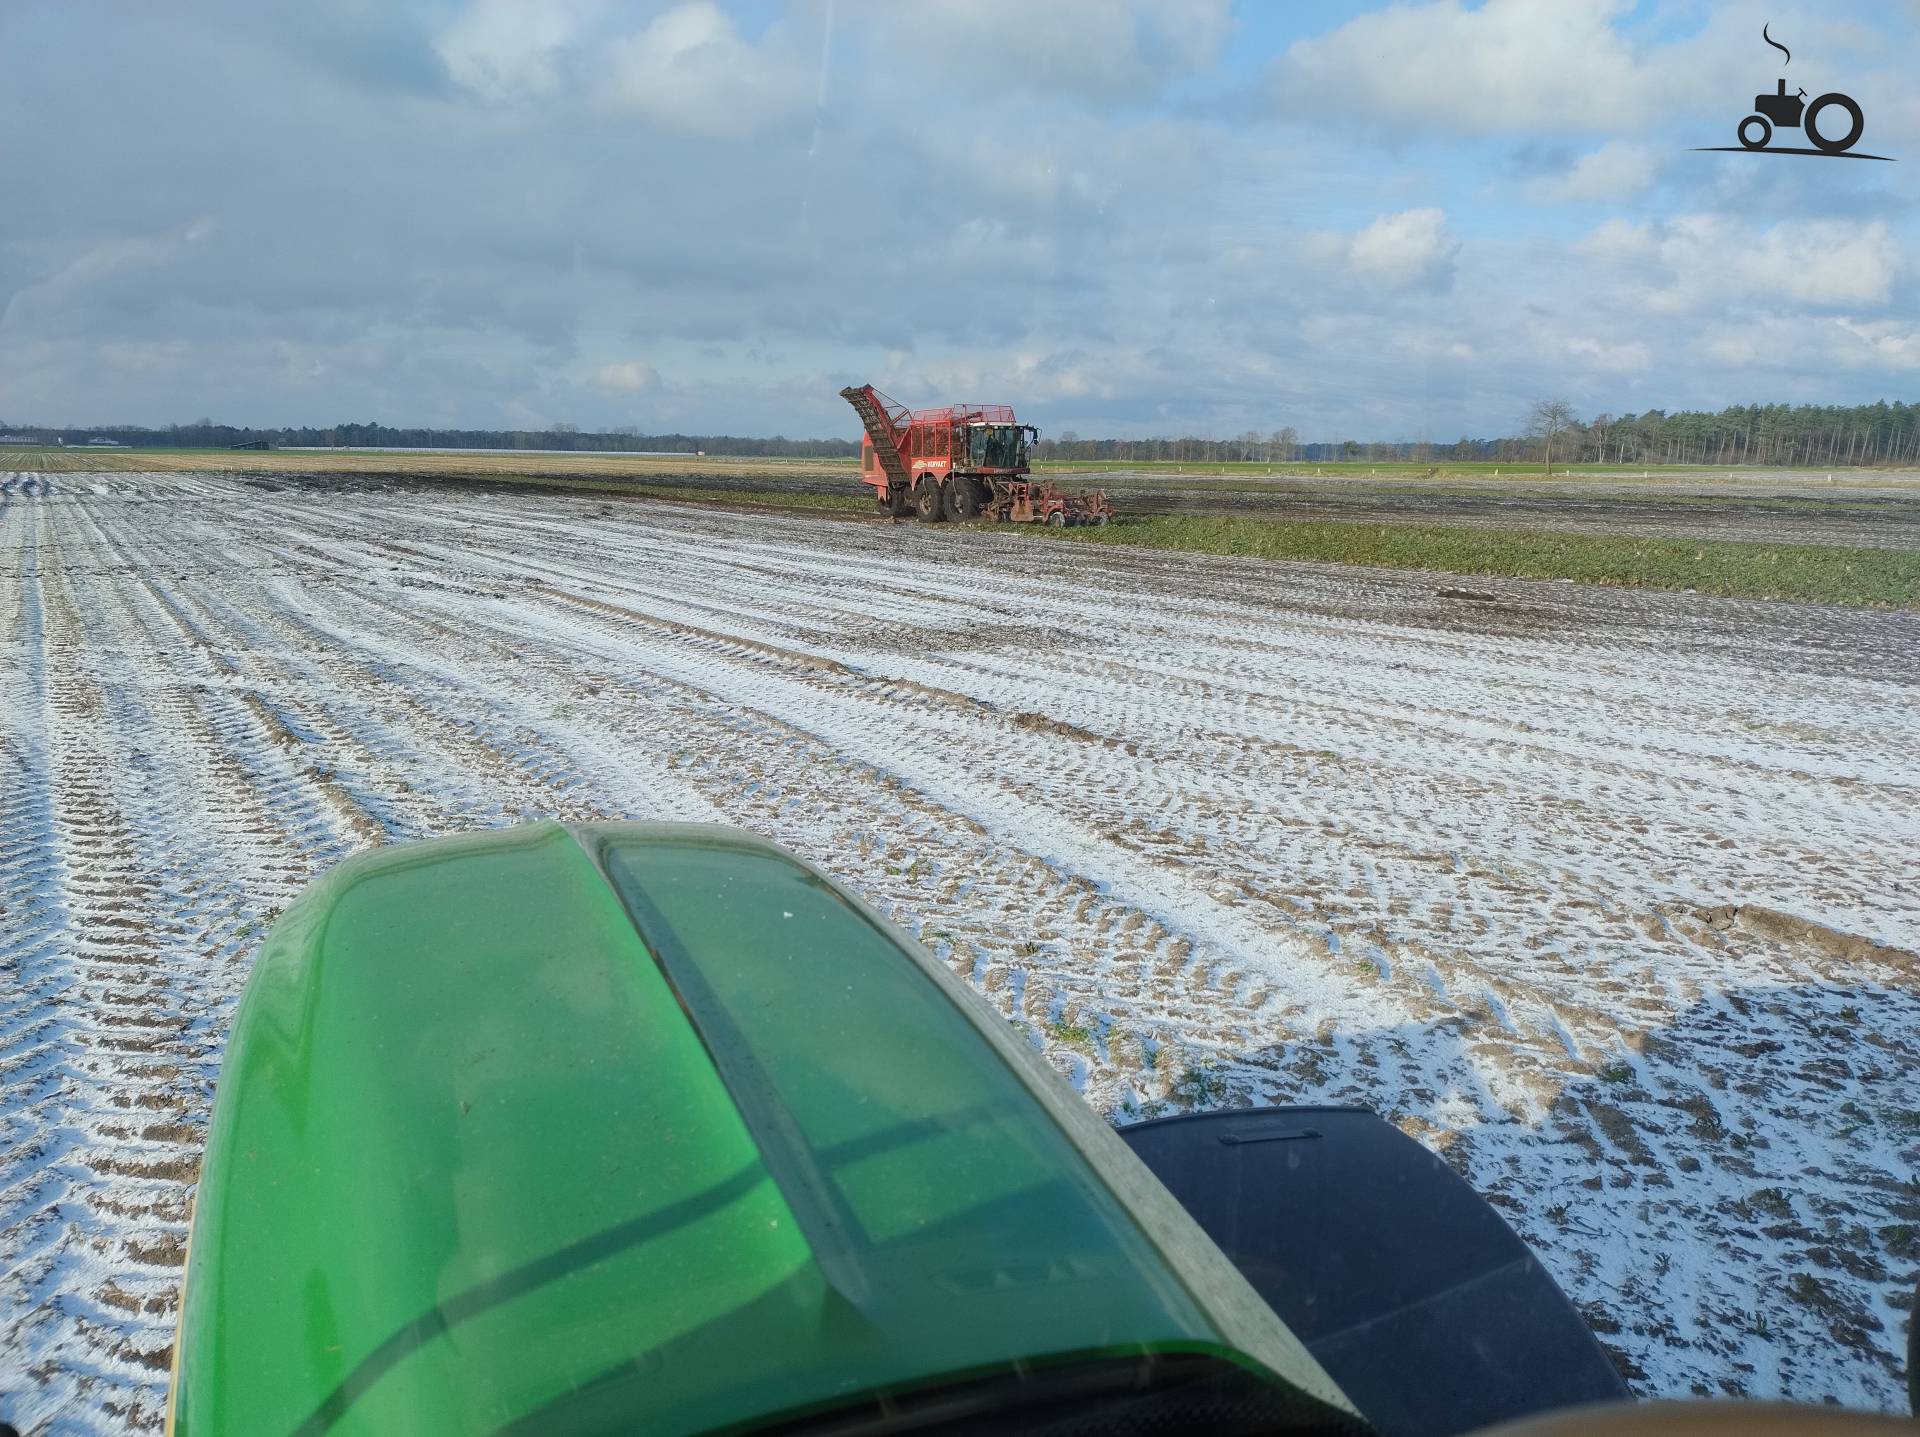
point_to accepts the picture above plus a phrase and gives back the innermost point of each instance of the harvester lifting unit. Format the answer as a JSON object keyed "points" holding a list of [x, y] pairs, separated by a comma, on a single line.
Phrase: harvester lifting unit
{"points": [[964, 461]]}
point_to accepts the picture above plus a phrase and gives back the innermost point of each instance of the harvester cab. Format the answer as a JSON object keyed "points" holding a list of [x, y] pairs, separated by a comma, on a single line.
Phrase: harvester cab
{"points": [[999, 446]]}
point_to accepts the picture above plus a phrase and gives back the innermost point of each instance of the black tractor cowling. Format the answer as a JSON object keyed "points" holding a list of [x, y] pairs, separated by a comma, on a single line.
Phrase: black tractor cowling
{"points": [[1413, 1293]]}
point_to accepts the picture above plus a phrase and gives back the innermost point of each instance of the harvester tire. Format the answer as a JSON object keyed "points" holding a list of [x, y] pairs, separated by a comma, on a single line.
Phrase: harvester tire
{"points": [[1100, 521], [1058, 518], [963, 499], [927, 501], [899, 500]]}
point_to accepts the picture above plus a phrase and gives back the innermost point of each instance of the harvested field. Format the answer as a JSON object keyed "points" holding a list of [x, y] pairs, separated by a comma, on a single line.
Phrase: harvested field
{"points": [[400, 463], [1854, 508], [1612, 898], [1852, 517]]}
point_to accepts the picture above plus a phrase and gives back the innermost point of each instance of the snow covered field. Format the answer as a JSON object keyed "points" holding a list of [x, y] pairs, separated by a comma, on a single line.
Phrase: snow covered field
{"points": [[1612, 898]]}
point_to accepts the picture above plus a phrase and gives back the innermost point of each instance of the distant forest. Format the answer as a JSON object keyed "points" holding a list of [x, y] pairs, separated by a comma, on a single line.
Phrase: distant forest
{"points": [[1744, 434], [1750, 434], [205, 434]]}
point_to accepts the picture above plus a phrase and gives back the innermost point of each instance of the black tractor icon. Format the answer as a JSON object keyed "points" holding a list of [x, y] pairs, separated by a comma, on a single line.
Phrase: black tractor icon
{"points": [[1785, 110]]}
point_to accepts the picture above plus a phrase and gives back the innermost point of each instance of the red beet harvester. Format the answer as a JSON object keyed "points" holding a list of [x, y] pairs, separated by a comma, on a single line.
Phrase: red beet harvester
{"points": [[965, 461]]}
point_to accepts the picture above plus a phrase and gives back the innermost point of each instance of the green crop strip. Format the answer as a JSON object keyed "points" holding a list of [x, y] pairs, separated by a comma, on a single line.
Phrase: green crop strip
{"points": [[1813, 573]]}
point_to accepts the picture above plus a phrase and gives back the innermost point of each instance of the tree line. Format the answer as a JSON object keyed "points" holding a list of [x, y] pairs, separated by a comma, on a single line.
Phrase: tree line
{"points": [[206, 434], [1746, 434], [1743, 434], [1805, 435]]}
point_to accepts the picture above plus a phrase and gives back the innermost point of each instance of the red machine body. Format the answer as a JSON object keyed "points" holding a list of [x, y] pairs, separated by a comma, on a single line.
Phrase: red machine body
{"points": [[963, 461]]}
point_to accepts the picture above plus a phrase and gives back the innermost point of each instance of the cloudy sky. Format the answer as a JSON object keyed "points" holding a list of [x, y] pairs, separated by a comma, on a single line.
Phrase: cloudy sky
{"points": [[1124, 216]]}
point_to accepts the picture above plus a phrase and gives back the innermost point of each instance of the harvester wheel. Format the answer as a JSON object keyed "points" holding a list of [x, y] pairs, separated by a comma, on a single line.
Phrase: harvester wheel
{"points": [[926, 500], [1101, 520], [899, 500], [963, 498], [1058, 518]]}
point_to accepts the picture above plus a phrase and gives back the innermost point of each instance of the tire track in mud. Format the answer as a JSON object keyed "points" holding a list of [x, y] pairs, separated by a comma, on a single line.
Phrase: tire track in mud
{"points": [[1626, 929], [1535, 742], [199, 855], [1556, 1024], [104, 1192], [828, 676], [750, 793], [36, 1041]]}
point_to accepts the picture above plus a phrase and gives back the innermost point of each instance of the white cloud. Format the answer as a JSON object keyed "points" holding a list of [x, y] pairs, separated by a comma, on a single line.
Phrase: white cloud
{"points": [[1411, 249], [1616, 171], [633, 376], [1794, 344], [1534, 66], [141, 357], [504, 50], [1697, 260], [1509, 64], [101, 265], [691, 70], [1112, 50], [1629, 358], [1885, 342], [1619, 240]]}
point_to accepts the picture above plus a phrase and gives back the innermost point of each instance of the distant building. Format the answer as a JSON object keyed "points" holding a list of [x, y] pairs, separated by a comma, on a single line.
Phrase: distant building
{"points": [[16, 439], [105, 443]]}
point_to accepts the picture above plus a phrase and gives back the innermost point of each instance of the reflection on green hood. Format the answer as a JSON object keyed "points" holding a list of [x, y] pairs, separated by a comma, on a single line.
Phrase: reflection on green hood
{"points": [[631, 1126]]}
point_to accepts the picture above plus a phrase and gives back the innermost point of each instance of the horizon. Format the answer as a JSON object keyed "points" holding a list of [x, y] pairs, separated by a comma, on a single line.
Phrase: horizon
{"points": [[564, 428]]}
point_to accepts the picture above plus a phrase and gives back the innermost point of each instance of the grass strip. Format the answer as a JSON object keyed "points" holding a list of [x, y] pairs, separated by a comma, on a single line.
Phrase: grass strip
{"points": [[1862, 578], [1385, 468]]}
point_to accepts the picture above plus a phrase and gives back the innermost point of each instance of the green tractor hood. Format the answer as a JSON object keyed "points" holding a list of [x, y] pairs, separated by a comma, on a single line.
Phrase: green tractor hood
{"points": [[643, 1128]]}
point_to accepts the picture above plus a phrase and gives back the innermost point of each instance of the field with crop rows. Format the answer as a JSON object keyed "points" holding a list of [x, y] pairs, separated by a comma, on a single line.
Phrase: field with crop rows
{"points": [[1611, 898]]}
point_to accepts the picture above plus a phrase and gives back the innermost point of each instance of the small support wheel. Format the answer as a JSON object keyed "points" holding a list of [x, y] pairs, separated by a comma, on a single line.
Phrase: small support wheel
{"points": [[926, 500], [1100, 521], [899, 501], [1057, 519]]}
